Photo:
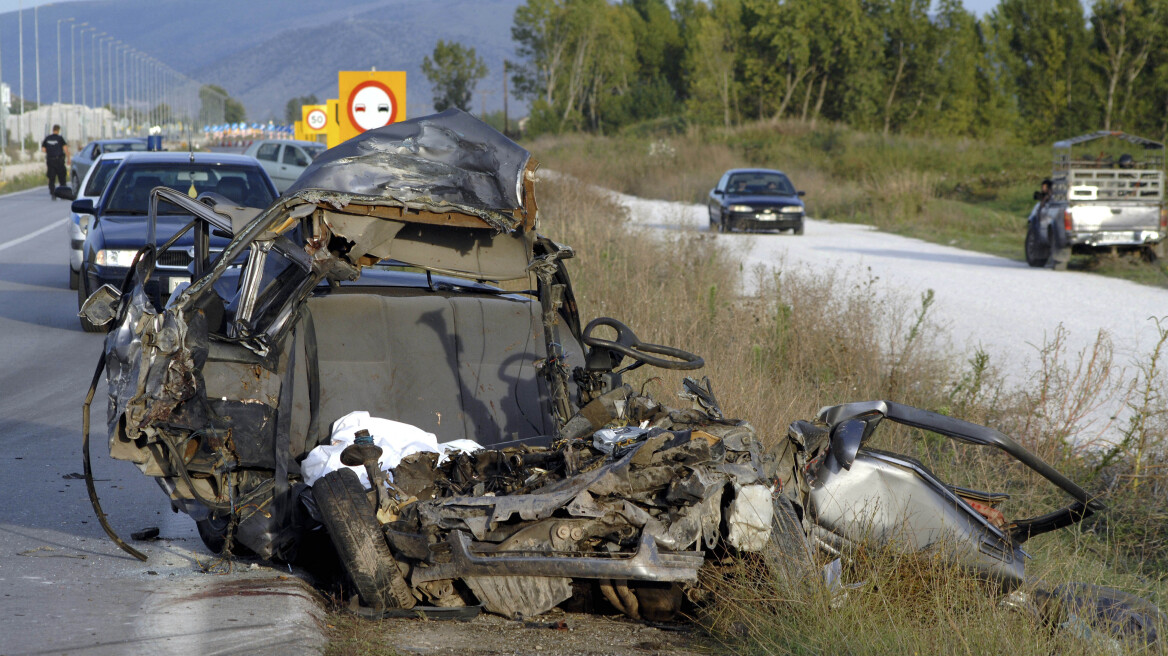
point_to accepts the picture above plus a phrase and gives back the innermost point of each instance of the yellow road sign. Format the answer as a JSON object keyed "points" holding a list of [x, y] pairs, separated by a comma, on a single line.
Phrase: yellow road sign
{"points": [[369, 100], [332, 131], [314, 119]]}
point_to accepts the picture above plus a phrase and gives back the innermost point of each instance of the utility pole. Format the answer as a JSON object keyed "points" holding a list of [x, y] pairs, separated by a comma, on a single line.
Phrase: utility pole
{"points": [[36, 50], [73, 62], [20, 48], [506, 124], [62, 20]]}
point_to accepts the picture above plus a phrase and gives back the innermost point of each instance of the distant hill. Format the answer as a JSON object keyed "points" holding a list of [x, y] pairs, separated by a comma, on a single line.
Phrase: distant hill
{"points": [[264, 52]]}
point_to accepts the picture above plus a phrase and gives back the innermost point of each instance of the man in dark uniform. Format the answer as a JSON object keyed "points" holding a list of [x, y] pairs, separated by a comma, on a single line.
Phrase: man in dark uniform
{"points": [[56, 151]]}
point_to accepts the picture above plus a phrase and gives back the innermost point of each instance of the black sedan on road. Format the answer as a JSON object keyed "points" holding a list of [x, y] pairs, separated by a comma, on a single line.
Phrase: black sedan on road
{"points": [[119, 229], [755, 199]]}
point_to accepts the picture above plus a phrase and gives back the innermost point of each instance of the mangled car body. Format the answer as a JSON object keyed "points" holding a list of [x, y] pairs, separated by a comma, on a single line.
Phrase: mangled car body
{"points": [[402, 276]]}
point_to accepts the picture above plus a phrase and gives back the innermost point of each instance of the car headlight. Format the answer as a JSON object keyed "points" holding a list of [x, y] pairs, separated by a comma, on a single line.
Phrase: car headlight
{"points": [[115, 258], [741, 208], [791, 209]]}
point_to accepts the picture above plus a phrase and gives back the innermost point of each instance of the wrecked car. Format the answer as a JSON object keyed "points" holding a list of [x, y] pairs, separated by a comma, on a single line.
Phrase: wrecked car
{"points": [[393, 353], [472, 334]]}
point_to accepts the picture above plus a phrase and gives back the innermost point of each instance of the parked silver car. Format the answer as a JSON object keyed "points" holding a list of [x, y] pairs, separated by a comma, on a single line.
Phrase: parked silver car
{"points": [[284, 160], [85, 157], [97, 176]]}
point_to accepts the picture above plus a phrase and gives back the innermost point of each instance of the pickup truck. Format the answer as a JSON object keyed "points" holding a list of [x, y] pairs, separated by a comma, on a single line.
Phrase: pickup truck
{"points": [[1099, 198]]}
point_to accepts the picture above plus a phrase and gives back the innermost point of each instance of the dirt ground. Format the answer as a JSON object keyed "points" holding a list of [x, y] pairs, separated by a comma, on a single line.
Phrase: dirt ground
{"points": [[553, 634]]}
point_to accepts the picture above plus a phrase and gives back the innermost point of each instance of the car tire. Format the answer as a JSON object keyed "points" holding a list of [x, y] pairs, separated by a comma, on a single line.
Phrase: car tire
{"points": [[797, 230], [74, 181], [356, 534], [789, 543], [74, 277], [213, 533], [1059, 257], [82, 296]]}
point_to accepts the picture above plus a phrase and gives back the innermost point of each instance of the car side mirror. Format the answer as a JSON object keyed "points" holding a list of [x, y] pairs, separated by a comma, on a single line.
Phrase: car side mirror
{"points": [[102, 306], [83, 206], [64, 191], [800, 194], [845, 442], [717, 192]]}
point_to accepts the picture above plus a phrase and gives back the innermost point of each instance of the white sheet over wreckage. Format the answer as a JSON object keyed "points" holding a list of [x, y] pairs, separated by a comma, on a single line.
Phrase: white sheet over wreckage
{"points": [[396, 439]]}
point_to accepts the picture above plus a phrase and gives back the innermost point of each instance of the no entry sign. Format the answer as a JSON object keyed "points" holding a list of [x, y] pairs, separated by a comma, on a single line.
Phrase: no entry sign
{"points": [[370, 100]]}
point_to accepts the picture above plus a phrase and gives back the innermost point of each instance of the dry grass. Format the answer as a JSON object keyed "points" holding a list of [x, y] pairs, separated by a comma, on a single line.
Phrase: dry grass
{"points": [[800, 342]]}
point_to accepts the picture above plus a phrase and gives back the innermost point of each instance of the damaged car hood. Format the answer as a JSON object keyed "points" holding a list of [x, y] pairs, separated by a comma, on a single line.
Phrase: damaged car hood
{"points": [[448, 162]]}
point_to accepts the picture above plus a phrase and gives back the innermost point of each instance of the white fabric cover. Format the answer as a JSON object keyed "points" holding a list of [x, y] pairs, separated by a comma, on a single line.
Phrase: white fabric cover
{"points": [[397, 440]]}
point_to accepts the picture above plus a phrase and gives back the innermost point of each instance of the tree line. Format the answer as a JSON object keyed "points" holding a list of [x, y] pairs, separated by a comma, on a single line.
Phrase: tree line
{"points": [[1034, 69]]}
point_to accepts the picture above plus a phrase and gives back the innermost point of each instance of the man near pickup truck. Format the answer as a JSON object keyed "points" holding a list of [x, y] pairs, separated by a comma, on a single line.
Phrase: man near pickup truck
{"points": [[56, 151]]}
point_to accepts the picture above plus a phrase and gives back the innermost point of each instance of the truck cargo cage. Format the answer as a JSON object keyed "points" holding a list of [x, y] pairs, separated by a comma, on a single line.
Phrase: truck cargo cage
{"points": [[1135, 175]]}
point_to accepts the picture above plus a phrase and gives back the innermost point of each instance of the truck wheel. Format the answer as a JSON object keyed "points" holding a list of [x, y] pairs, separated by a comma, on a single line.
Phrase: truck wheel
{"points": [[1036, 253], [1059, 257], [352, 525]]}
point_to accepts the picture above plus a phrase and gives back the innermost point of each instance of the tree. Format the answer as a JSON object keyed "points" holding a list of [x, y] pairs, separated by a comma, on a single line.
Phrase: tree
{"points": [[293, 111], [712, 61], [1042, 47], [453, 72], [1125, 31], [218, 107]]}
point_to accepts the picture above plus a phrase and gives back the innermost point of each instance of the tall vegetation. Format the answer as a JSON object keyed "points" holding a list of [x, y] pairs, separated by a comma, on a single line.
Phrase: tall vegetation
{"points": [[1036, 69], [453, 71]]}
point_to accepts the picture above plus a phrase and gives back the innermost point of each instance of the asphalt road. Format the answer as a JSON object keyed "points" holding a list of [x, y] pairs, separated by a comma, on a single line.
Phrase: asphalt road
{"points": [[65, 587]]}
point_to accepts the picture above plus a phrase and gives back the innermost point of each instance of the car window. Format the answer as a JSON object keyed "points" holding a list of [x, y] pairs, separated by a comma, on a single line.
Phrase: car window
{"points": [[100, 177], [314, 151], [268, 152], [87, 153], [293, 156], [759, 183], [129, 193], [136, 147]]}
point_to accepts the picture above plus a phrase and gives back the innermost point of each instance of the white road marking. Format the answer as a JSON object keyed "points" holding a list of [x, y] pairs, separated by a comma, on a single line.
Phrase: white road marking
{"points": [[33, 235]]}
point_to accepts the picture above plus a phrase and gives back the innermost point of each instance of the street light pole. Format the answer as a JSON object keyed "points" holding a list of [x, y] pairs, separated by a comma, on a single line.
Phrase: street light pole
{"points": [[20, 49], [59, 21], [36, 50], [73, 62]]}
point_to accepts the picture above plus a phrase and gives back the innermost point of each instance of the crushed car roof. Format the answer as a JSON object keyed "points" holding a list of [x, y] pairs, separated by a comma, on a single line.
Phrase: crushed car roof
{"points": [[440, 164]]}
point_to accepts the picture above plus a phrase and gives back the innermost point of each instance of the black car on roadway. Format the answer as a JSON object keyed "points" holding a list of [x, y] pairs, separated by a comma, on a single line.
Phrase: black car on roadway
{"points": [[119, 229], [755, 199]]}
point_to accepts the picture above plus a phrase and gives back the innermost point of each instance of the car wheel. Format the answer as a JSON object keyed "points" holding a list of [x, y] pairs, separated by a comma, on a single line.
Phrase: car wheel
{"points": [[74, 181], [356, 534], [1059, 257], [789, 542], [798, 230], [82, 296], [213, 533], [724, 225], [1036, 253], [73, 278]]}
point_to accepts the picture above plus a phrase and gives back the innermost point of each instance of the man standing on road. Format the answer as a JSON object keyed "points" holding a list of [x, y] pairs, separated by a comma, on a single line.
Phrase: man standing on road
{"points": [[56, 151]]}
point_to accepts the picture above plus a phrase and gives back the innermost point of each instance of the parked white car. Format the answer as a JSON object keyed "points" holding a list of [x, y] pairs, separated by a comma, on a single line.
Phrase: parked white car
{"points": [[284, 160]]}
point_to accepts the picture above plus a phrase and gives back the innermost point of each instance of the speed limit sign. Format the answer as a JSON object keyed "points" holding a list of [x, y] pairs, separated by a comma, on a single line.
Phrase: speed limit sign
{"points": [[316, 119]]}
